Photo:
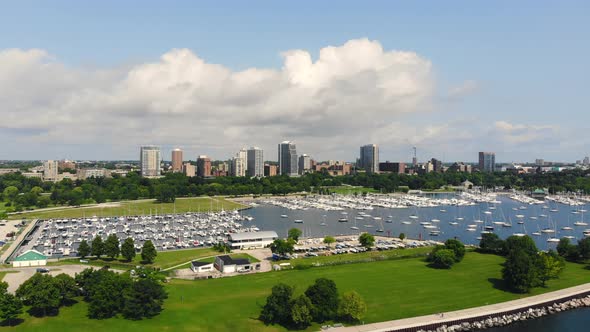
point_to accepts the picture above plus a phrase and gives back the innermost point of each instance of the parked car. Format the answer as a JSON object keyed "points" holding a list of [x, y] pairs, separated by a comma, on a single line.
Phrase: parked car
{"points": [[42, 270]]}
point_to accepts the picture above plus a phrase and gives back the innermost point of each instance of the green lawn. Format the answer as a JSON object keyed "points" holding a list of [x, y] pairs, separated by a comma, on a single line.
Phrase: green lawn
{"points": [[349, 190], [141, 207], [165, 259], [392, 289], [360, 257]]}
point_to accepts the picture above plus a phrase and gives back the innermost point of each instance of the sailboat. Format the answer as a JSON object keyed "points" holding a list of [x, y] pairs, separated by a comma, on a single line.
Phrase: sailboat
{"points": [[380, 230], [581, 222], [354, 227]]}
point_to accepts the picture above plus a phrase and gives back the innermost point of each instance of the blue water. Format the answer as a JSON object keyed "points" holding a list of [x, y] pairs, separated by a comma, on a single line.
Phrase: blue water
{"points": [[569, 321], [267, 217]]}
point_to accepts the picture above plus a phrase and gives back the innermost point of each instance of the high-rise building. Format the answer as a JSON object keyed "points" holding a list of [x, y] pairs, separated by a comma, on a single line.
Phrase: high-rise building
{"points": [[189, 169], [487, 161], [149, 161], [177, 160], [255, 162], [586, 160], [369, 159], [287, 158], [539, 162], [238, 166], [304, 164], [436, 165], [203, 166], [270, 170], [50, 170], [389, 167]]}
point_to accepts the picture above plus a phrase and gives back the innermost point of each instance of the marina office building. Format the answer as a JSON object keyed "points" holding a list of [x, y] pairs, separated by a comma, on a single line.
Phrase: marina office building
{"points": [[251, 240]]}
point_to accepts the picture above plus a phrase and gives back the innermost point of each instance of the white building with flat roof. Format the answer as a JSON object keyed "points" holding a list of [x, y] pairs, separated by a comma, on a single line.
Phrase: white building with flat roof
{"points": [[149, 161], [251, 240]]}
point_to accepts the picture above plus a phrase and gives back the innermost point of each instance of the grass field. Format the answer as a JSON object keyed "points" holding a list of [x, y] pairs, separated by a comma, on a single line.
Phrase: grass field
{"points": [[392, 289], [165, 259], [141, 207], [360, 257]]}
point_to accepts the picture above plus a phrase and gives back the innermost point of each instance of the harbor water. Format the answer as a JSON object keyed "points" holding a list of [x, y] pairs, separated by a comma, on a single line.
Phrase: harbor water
{"points": [[577, 320]]}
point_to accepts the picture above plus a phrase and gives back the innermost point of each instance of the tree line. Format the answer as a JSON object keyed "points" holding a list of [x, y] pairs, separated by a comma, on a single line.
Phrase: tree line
{"points": [[135, 296], [319, 303], [112, 248], [19, 193]]}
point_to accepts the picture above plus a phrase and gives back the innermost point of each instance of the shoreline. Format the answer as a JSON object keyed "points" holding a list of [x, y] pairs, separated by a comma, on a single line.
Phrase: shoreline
{"points": [[494, 315]]}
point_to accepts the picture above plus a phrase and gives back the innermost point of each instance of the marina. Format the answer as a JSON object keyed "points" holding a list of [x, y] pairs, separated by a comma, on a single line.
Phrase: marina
{"points": [[464, 216]]}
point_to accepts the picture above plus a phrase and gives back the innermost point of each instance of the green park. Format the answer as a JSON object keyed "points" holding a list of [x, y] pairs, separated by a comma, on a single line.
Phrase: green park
{"points": [[392, 289]]}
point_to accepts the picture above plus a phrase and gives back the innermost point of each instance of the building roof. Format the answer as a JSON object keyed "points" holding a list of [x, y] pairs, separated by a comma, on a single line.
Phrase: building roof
{"points": [[199, 264], [30, 255], [227, 260], [253, 235]]}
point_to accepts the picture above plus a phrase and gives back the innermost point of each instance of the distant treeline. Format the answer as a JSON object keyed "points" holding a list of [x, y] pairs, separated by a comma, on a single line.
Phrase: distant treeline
{"points": [[18, 192]]}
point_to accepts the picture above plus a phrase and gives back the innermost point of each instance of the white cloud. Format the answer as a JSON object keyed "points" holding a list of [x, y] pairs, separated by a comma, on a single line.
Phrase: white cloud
{"points": [[465, 88], [520, 134], [328, 106]]}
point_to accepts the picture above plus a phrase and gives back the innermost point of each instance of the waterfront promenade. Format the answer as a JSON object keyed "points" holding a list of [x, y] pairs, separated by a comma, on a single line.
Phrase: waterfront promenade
{"points": [[466, 314]]}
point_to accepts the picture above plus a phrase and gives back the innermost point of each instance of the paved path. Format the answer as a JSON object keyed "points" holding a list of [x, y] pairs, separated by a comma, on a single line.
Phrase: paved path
{"points": [[487, 310], [18, 240]]}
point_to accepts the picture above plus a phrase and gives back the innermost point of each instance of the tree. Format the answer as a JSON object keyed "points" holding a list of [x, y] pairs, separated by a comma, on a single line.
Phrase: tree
{"points": [[278, 305], [402, 236], [166, 193], [491, 243], [294, 233], [10, 305], [41, 293], [144, 298], [519, 271], [36, 190], [97, 247], [549, 266], [457, 247], [111, 246], [301, 309], [43, 202], [443, 258], [329, 240], [105, 290], [584, 248], [352, 307], [128, 249], [66, 286], [10, 193], [366, 240], [568, 250], [282, 247], [525, 243], [323, 294], [84, 249], [148, 252]]}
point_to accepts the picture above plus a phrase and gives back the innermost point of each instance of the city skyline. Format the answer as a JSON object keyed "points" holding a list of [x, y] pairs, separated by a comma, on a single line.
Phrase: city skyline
{"points": [[402, 77]]}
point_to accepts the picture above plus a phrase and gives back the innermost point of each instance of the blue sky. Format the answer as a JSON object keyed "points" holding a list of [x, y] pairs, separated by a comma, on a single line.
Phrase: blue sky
{"points": [[526, 62]]}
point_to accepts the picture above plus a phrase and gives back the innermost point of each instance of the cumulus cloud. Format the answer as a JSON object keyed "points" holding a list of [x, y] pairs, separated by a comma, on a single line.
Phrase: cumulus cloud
{"points": [[327, 105]]}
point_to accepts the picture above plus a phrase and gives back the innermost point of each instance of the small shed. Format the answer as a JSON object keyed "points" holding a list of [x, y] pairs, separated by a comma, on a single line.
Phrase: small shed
{"points": [[30, 258], [199, 267], [226, 264], [467, 184]]}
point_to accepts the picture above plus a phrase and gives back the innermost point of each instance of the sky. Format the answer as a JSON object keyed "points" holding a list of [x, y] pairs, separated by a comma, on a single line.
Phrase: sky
{"points": [[96, 80]]}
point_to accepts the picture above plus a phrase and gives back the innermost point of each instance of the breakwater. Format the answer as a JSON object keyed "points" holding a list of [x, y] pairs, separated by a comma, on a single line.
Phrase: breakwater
{"points": [[504, 319]]}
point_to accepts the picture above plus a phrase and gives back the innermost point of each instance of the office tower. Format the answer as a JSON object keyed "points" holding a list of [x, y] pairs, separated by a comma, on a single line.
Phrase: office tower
{"points": [[270, 170], [586, 160], [188, 169], [287, 158], [203, 166], [177, 160], [238, 166], [255, 162], [50, 170], [436, 165], [487, 161], [540, 162], [389, 167], [369, 159], [149, 161], [304, 164]]}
